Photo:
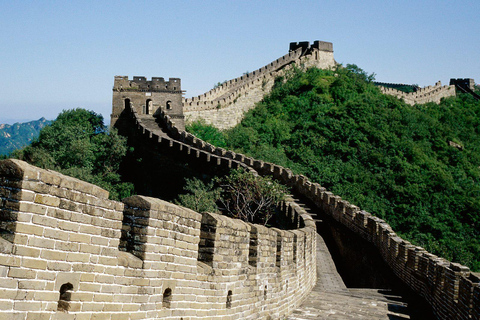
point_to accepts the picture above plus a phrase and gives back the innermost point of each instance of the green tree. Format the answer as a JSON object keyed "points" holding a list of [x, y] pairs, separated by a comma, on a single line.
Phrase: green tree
{"points": [[240, 195], [200, 197], [78, 144], [206, 132]]}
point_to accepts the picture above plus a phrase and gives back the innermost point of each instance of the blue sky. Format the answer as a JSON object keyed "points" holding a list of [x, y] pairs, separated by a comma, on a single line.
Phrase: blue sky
{"points": [[59, 55]]}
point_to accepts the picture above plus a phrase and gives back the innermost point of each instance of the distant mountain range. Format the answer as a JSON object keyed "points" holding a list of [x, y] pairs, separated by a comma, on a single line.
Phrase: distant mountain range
{"points": [[18, 135]]}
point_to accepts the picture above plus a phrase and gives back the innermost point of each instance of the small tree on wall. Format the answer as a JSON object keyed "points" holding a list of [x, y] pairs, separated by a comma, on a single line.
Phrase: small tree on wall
{"points": [[249, 197], [241, 194]]}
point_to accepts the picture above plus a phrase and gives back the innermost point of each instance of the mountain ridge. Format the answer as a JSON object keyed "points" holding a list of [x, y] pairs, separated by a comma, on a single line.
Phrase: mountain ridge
{"points": [[18, 135]]}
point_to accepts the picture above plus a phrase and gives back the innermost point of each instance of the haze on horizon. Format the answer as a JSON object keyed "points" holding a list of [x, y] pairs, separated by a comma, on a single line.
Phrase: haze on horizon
{"points": [[61, 55]]}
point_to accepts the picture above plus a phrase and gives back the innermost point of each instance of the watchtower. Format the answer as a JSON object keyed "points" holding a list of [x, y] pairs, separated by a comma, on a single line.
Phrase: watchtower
{"points": [[147, 98]]}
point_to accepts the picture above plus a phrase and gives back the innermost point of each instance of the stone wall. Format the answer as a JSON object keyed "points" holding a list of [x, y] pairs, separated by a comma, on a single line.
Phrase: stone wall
{"points": [[450, 288], [67, 252], [225, 105], [423, 95]]}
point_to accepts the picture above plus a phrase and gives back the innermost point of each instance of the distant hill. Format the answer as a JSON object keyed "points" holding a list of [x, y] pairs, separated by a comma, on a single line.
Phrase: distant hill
{"points": [[18, 135]]}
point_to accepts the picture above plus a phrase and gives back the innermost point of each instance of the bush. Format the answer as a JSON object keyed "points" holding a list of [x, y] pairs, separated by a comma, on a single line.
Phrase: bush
{"points": [[240, 195], [200, 197], [249, 197]]}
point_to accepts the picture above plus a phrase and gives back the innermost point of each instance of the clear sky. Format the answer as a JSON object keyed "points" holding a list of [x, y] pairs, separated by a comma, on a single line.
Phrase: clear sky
{"points": [[59, 55]]}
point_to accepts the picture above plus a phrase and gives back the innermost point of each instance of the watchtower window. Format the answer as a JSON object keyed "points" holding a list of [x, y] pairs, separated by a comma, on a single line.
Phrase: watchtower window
{"points": [[127, 103], [65, 297], [169, 105]]}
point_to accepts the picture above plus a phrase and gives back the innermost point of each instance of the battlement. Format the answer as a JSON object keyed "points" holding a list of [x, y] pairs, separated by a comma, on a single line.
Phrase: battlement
{"points": [[141, 84], [465, 83], [225, 105], [307, 48]]}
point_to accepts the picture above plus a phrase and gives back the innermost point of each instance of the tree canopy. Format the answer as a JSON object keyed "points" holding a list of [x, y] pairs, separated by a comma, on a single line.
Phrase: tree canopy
{"points": [[78, 144]]}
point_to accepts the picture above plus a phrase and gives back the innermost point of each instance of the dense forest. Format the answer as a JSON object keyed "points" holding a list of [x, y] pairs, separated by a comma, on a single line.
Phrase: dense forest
{"points": [[417, 167]]}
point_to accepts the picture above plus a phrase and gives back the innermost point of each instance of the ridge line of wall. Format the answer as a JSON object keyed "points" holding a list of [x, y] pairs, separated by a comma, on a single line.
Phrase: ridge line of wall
{"points": [[225, 105]]}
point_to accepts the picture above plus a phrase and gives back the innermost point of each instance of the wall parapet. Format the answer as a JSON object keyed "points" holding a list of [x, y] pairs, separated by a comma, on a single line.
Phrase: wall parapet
{"points": [[65, 258]]}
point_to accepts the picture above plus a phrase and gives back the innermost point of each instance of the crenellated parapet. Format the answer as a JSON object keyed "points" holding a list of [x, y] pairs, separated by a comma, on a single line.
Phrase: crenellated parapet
{"points": [[67, 252], [225, 105], [422, 95]]}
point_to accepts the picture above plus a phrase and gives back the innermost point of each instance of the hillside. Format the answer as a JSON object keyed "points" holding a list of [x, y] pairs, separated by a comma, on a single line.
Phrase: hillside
{"points": [[18, 135], [416, 167]]}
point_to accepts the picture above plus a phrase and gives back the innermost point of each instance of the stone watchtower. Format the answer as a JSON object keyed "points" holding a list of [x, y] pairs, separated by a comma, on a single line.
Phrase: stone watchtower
{"points": [[147, 98]]}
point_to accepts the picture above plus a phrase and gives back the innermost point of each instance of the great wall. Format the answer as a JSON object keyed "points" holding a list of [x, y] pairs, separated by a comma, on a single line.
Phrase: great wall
{"points": [[67, 252]]}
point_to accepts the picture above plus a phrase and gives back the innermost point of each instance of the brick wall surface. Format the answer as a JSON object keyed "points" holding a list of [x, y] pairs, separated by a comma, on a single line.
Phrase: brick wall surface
{"points": [[423, 95], [67, 252]]}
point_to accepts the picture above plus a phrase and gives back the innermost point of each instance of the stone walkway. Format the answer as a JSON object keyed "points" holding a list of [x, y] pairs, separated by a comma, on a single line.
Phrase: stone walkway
{"points": [[331, 299]]}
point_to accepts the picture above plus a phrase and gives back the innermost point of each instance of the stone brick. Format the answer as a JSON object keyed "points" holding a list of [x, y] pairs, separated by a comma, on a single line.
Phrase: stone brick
{"points": [[41, 242], [29, 229], [38, 316], [34, 263], [53, 255], [47, 200]]}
